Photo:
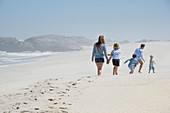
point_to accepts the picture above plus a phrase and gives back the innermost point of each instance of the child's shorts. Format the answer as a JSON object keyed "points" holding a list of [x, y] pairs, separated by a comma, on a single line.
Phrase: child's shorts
{"points": [[116, 62], [140, 61]]}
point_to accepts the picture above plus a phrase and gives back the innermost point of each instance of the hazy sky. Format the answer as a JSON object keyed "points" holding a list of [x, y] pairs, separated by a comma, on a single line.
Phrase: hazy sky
{"points": [[115, 19]]}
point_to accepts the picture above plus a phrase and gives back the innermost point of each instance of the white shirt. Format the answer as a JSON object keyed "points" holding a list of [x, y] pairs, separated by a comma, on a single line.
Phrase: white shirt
{"points": [[116, 54]]}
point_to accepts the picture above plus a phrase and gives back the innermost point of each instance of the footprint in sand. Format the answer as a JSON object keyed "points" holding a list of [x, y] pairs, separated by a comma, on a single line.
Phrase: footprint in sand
{"points": [[64, 111], [36, 108], [25, 111], [63, 108], [51, 99]]}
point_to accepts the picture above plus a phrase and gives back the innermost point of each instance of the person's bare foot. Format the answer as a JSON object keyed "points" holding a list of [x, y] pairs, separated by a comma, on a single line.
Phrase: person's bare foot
{"points": [[131, 72], [139, 72]]}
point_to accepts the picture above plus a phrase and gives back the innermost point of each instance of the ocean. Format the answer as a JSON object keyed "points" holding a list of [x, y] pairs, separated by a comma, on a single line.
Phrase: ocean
{"points": [[7, 58]]}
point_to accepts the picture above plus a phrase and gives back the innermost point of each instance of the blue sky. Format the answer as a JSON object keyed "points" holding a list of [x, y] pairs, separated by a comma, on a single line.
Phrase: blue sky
{"points": [[115, 19]]}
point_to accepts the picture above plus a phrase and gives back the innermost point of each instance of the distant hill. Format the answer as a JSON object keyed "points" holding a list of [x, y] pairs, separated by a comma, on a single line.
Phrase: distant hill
{"points": [[43, 43], [110, 42], [54, 43], [146, 40], [10, 44]]}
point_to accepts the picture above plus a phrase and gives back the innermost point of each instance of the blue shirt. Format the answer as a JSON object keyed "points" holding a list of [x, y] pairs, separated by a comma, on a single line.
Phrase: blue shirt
{"points": [[132, 62], [152, 63], [99, 53], [139, 54]]}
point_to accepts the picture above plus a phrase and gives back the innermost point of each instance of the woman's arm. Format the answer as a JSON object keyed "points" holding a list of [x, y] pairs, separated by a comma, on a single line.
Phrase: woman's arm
{"points": [[93, 51], [105, 52]]}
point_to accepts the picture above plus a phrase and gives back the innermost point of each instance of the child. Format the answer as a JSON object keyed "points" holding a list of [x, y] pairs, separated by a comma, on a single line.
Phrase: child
{"points": [[151, 64], [115, 55], [133, 62]]}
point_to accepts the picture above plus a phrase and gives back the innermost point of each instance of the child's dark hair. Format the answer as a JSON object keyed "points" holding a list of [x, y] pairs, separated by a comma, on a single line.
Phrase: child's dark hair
{"points": [[134, 55], [142, 45]]}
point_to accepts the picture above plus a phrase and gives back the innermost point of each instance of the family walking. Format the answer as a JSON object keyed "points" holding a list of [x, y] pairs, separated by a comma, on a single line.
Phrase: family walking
{"points": [[99, 54]]}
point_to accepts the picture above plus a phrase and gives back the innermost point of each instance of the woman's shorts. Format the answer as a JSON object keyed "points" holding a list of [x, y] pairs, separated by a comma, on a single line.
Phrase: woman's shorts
{"points": [[99, 60], [116, 62]]}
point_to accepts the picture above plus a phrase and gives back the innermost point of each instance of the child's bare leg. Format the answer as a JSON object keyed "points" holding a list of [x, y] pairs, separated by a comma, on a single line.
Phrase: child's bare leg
{"points": [[153, 69], [116, 69], [149, 69], [141, 65], [113, 70], [140, 68]]}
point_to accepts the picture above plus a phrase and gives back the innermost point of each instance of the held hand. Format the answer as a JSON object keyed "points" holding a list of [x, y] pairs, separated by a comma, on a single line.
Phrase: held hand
{"points": [[108, 61]]}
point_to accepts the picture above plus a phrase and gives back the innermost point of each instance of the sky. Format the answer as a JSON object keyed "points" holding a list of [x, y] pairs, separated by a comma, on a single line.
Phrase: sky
{"points": [[115, 19]]}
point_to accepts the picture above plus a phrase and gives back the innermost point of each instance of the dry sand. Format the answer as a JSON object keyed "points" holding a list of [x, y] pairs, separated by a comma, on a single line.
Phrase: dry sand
{"points": [[67, 83]]}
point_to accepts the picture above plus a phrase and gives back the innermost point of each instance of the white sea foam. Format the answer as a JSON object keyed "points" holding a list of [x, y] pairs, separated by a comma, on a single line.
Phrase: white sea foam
{"points": [[21, 57]]}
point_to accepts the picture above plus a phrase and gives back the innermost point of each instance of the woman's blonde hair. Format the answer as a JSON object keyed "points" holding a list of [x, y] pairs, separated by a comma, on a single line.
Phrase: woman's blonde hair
{"points": [[116, 46], [100, 41]]}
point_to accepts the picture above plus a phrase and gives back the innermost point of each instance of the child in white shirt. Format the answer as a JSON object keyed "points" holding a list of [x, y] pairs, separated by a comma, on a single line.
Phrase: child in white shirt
{"points": [[115, 55]]}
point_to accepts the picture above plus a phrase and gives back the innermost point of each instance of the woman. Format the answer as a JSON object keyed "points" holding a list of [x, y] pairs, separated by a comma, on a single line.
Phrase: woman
{"points": [[99, 51]]}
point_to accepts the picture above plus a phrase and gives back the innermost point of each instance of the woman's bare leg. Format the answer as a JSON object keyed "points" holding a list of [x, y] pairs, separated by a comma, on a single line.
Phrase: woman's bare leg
{"points": [[99, 67]]}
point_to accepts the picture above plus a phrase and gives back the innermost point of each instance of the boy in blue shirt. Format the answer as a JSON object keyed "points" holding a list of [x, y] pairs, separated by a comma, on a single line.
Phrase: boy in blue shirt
{"points": [[139, 56], [133, 62]]}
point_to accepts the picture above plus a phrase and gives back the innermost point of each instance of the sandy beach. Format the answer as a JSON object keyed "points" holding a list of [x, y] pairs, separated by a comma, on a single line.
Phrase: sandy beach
{"points": [[67, 83]]}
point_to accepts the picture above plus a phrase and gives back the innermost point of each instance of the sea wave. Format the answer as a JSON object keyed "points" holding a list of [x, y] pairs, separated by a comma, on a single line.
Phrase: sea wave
{"points": [[9, 58]]}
